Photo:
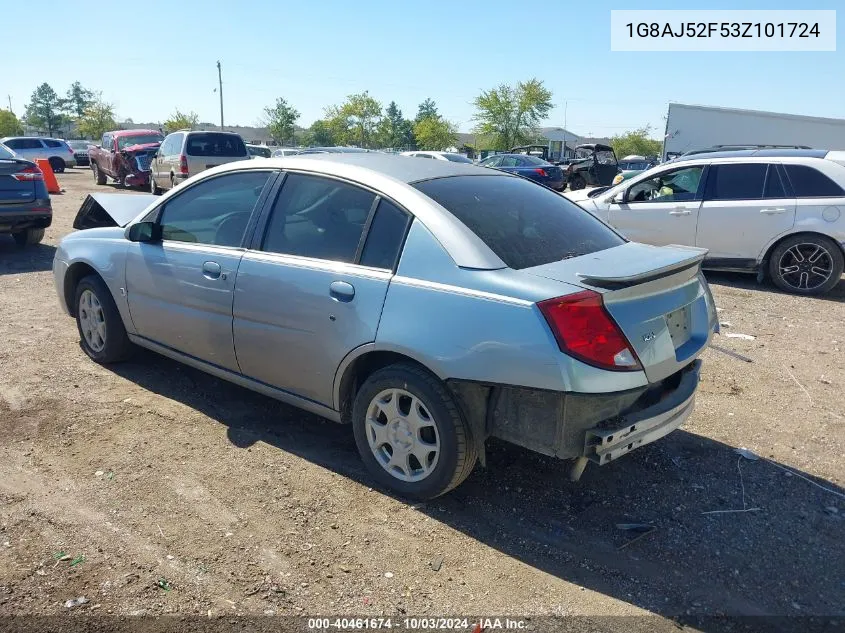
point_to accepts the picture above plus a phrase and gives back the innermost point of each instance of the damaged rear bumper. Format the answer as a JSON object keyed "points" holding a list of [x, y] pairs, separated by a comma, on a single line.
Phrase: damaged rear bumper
{"points": [[598, 427]]}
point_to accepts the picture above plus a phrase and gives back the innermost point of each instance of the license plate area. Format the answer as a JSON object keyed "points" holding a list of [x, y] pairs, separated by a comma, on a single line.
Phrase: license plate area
{"points": [[679, 324]]}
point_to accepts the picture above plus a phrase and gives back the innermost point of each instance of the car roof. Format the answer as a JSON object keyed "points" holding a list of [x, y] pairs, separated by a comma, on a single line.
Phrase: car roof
{"points": [[755, 153]]}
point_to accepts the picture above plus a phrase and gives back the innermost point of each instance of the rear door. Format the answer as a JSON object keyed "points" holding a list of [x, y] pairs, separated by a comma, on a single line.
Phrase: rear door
{"points": [[662, 209], [312, 288], [745, 207]]}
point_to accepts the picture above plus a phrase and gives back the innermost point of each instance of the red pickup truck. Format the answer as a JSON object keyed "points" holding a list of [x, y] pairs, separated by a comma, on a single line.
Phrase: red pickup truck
{"points": [[125, 157]]}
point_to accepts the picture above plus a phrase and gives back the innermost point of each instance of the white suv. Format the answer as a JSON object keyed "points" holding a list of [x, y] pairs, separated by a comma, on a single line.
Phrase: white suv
{"points": [[55, 150], [779, 213]]}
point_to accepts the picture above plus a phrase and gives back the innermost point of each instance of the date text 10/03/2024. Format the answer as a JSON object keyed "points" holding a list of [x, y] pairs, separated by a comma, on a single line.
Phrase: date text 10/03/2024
{"points": [[723, 29]]}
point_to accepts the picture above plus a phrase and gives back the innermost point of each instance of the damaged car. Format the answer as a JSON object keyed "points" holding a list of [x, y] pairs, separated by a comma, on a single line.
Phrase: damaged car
{"points": [[430, 304], [125, 156]]}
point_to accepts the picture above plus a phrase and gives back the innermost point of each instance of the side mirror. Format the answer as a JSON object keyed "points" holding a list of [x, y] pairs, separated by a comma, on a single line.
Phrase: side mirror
{"points": [[618, 198], [143, 232]]}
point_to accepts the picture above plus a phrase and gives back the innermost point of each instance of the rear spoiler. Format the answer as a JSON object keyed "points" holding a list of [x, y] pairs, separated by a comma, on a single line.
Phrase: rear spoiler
{"points": [[677, 258], [110, 209]]}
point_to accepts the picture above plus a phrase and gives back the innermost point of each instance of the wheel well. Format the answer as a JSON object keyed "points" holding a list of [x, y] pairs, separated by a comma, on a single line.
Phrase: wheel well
{"points": [[362, 368], [72, 278], [764, 265]]}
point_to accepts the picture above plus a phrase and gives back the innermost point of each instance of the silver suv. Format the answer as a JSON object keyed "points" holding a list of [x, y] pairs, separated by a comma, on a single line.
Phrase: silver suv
{"points": [[55, 150], [188, 152]]}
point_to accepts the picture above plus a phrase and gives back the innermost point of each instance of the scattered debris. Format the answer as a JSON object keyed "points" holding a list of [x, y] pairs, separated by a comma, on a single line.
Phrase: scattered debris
{"points": [[747, 454], [743, 453], [744, 337], [825, 381], [61, 556], [162, 583], [110, 475], [77, 561], [807, 393], [170, 557], [76, 602], [388, 574], [306, 547], [99, 473], [437, 563], [159, 530], [731, 353], [725, 324]]}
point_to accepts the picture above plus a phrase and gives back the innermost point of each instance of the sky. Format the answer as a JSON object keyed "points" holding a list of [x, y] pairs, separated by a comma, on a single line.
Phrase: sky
{"points": [[150, 58]]}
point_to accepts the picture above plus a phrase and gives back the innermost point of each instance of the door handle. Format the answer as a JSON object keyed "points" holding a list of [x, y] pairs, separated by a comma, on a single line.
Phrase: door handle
{"points": [[342, 291], [211, 270], [773, 211], [679, 211]]}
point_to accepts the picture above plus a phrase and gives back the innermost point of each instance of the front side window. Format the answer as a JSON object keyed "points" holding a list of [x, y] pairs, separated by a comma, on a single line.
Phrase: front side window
{"points": [[808, 182], [523, 223], [318, 217], [510, 161], [679, 185], [736, 182], [215, 211]]}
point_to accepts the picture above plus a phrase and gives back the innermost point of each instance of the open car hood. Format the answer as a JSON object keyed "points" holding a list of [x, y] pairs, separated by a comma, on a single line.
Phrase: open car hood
{"points": [[110, 209]]}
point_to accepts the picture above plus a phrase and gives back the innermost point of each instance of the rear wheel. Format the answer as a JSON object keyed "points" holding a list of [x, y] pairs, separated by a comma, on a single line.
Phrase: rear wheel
{"points": [[577, 182], [99, 177], [154, 188], [56, 164], [101, 330], [806, 264], [28, 237], [410, 432]]}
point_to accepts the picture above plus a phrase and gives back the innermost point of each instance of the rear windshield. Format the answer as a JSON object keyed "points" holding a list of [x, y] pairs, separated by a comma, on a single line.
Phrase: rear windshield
{"points": [[259, 151], [524, 223], [533, 160], [139, 139], [215, 144], [457, 158], [5, 152]]}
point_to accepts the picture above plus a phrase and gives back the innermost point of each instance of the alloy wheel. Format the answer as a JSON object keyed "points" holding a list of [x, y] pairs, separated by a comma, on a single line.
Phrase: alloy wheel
{"points": [[92, 321], [805, 266]]}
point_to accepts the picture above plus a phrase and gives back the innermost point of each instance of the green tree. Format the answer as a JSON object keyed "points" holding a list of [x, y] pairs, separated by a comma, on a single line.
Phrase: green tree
{"points": [[362, 114], [435, 133], [394, 130], [180, 121], [320, 134], [636, 142], [426, 109], [9, 124], [77, 100], [96, 120], [44, 111], [512, 114], [280, 121]]}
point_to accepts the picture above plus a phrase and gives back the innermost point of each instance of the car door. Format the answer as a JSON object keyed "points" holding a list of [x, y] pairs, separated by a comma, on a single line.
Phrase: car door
{"points": [[158, 159], [660, 210], [745, 207], [312, 288], [180, 289], [107, 162]]}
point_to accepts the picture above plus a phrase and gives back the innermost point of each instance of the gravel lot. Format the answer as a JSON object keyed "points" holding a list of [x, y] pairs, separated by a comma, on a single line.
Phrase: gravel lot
{"points": [[158, 474]]}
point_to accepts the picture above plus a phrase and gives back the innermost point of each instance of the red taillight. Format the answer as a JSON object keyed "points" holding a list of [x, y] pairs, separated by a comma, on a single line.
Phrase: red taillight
{"points": [[540, 171], [70, 149], [183, 164], [28, 174], [585, 330]]}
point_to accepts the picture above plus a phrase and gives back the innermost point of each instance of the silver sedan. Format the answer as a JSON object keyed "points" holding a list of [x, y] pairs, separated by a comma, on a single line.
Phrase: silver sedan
{"points": [[430, 304]]}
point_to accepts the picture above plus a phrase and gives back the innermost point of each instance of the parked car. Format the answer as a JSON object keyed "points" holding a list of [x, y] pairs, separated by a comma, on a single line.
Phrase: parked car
{"points": [[776, 213], [25, 207], [597, 165], [258, 151], [54, 150], [80, 152], [188, 152], [530, 167], [430, 304], [450, 156], [632, 165], [284, 151], [732, 148], [125, 157]]}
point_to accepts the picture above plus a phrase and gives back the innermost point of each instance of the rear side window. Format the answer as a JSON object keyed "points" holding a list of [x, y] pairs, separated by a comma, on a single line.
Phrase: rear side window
{"points": [[774, 185], [522, 222], [808, 182], [385, 237], [215, 144], [736, 182], [51, 143]]}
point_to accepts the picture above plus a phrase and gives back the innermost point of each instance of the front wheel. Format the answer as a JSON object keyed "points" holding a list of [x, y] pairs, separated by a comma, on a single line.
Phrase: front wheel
{"points": [[410, 432], [101, 331], [154, 188], [806, 264], [577, 182], [99, 176]]}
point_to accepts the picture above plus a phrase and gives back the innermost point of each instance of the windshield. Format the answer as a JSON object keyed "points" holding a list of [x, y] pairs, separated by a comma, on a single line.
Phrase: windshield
{"points": [[456, 158], [634, 165], [138, 139], [523, 223], [215, 144]]}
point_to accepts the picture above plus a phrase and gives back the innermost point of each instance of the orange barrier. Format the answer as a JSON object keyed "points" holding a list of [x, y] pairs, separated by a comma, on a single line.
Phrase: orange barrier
{"points": [[49, 176]]}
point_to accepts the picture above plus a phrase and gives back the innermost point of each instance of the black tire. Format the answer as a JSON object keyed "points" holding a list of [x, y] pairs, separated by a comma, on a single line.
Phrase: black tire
{"points": [[577, 182], [28, 237], [172, 181], [458, 453], [57, 164], [830, 258], [117, 345], [154, 188], [99, 177]]}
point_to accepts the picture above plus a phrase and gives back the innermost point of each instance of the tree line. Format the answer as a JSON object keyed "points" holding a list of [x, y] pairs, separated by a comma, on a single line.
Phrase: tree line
{"points": [[505, 116]]}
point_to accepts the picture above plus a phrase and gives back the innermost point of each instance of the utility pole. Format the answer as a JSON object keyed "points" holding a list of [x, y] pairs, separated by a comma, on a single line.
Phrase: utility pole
{"points": [[10, 104], [565, 129], [220, 80]]}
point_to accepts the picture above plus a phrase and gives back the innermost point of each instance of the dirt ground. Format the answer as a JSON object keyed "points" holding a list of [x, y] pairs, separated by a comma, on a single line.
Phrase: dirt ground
{"points": [[151, 488]]}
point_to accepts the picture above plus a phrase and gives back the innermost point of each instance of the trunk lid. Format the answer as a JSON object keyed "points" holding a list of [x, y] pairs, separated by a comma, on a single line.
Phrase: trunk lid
{"points": [[14, 191], [656, 296]]}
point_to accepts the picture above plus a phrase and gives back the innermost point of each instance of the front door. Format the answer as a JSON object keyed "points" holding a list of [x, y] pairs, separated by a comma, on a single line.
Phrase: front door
{"points": [[312, 291], [660, 210], [180, 289], [745, 207]]}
